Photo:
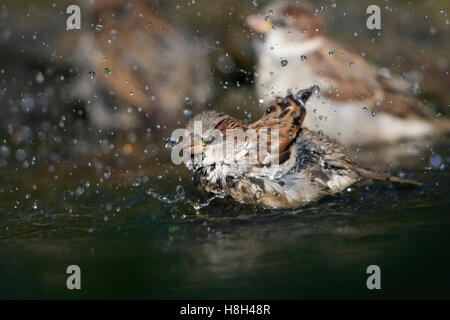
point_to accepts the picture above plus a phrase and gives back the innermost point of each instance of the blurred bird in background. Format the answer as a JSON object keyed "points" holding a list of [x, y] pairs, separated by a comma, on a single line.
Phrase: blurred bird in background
{"points": [[131, 61], [358, 103]]}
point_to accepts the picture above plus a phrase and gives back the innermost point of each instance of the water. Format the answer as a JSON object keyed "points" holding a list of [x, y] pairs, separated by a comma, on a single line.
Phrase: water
{"points": [[131, 245]]}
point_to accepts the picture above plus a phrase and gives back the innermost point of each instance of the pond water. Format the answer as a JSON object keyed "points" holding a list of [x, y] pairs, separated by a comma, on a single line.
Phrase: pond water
{"points": [[130, 245], [71, 194]]}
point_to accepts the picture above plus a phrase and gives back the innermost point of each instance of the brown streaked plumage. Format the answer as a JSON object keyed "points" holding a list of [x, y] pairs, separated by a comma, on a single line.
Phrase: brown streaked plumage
{"points": [[358, 104], [140, 62], [285, 115], [310, 166]]}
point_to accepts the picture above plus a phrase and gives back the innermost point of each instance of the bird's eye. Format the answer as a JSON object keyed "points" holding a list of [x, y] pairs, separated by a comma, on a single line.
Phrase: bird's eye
{"points": [[270, 110]]}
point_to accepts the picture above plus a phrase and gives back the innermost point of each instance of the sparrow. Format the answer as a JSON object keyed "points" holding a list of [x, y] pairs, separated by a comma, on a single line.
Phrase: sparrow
{"points": [[131, 59], [309, 165], [358, 103]]}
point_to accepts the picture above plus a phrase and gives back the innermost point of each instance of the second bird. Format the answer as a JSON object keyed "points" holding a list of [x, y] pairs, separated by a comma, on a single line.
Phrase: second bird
{"points": [[357, 103]]}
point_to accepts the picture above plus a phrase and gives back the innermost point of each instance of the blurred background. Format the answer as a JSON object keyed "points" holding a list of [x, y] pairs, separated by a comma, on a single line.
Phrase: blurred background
{"points": [[82, 140]]}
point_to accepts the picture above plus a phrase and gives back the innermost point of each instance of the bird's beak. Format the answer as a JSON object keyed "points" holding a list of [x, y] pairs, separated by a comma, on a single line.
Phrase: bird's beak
{"points": [[259, 24]]}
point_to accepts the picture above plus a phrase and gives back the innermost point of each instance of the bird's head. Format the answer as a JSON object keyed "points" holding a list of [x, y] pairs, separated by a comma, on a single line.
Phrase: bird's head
{"points": [[203, 138]]}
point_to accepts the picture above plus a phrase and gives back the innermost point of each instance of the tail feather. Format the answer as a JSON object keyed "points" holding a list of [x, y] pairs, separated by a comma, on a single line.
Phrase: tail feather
{"points": [[366, 173]]}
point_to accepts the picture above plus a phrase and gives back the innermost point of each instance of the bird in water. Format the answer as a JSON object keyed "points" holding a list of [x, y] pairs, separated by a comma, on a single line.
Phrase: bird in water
{"points": [[359, 104], [298, 166]]}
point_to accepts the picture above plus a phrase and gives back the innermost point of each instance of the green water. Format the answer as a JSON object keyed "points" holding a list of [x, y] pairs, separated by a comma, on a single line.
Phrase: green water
{"points": [[129, 245]]}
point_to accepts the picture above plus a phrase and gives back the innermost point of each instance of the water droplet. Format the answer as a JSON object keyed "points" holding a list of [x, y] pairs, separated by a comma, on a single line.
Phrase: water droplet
{"points": [[98, 28], [179, 196], [170, 143], [315, 89], [107, 173], [91, 74], [180, 193], [187, 112], [35, 205], [351, 64], [284, 63], [364, 109], [40, 77], [303, 57], [332, 52], [355, 34], [106, 71], [21, 155], [80, 190], [373, 113], [435, 160], [137, 182], [261, 101], [199, 205]]}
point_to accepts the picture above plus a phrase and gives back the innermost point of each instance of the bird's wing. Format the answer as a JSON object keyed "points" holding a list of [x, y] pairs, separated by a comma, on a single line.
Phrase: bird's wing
{"points": [[324, 160], [284, 118]]}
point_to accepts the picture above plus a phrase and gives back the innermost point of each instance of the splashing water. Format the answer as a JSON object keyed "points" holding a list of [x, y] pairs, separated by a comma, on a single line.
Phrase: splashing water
{"points": [[200, 205], [315, 89], [180, 195], [170, 143], [107, 173]]}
